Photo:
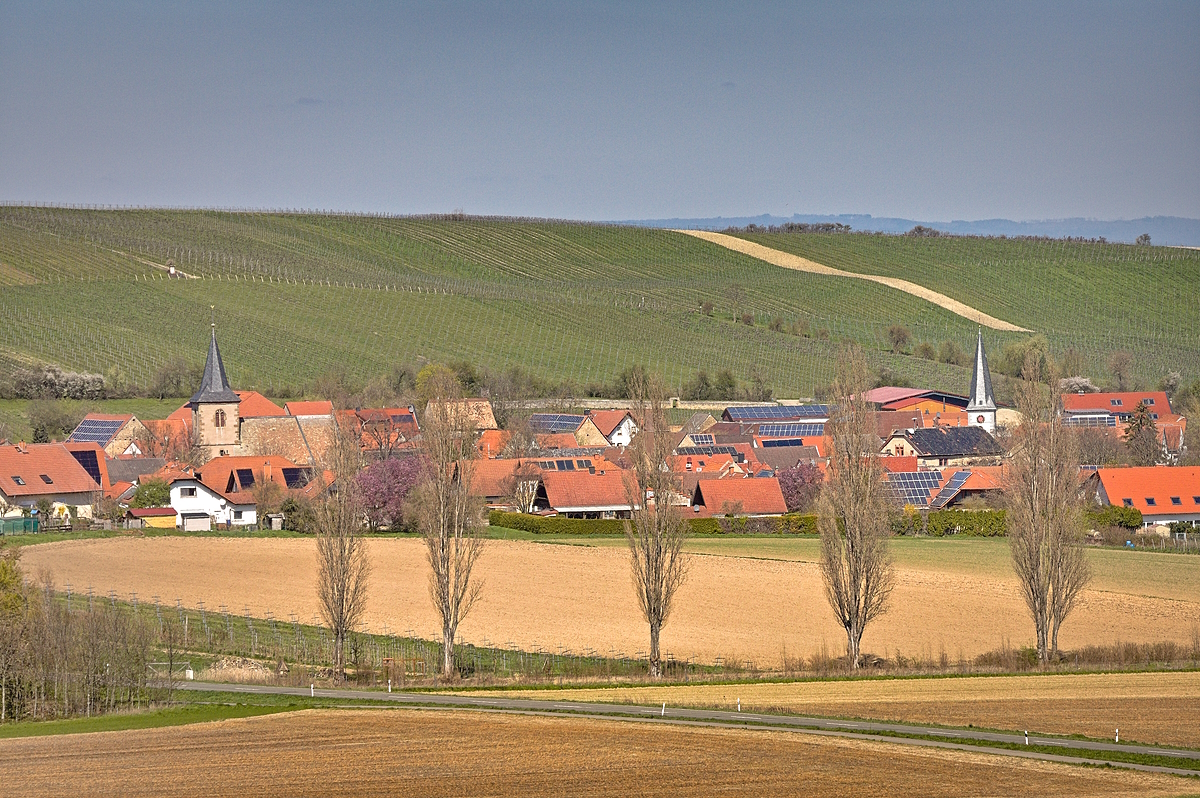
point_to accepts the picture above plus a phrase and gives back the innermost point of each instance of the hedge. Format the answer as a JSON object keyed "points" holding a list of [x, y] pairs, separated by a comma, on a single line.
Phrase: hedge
{"points": [[940, 523], [1115, 515], [557, 525]]}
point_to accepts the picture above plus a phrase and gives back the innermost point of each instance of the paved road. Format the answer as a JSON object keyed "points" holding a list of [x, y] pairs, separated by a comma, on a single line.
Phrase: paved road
{"points": [[709, 717]]}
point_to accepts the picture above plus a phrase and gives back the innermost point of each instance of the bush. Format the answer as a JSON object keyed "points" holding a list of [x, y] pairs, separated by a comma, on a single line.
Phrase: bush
{"points": [[925, 350], [1115, 516]]}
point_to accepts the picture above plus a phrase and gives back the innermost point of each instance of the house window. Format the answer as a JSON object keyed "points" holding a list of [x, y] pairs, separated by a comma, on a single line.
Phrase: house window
{"points": [[1127, 502], [1154, 416], [237, 515], [1176, 500], [1196, 500], [1115, 402], [46, 479], [219, 418], [189, 493], [1148, 401], [1150, 501], [18, 480]]}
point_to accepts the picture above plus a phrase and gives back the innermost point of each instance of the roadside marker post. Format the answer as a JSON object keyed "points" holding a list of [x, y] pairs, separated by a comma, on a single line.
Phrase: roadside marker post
{"points": [[1027, 737], [1117, 738], [739, 703], [664, 711], [312, 690], [389, 685]]}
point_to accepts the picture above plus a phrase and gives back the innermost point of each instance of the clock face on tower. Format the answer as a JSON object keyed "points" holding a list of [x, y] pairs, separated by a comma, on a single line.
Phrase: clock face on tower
{"points": [[979, 419]]}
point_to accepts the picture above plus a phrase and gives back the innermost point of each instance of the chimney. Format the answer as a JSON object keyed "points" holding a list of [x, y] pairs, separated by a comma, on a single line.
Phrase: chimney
{"points": [[267, 473]]}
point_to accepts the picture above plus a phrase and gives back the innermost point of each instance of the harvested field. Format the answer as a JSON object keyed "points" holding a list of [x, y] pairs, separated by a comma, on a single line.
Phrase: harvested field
{"points": [[418, 752], [1153, 708], [578, 598]]}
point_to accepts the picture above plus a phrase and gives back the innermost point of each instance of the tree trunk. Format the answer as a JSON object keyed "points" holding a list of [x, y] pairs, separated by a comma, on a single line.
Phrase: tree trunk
{"points": [[338, 643], [448, 651], [655, 657], [852, 644]]}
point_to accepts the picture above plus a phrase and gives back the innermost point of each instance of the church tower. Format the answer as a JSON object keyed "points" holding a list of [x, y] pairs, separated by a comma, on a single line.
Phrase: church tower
{"points": [[215, 406], [981, 408]]}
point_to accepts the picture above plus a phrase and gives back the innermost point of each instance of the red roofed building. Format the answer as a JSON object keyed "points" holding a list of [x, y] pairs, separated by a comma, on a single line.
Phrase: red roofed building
{"points": [[30, 473], [754, 496], [1163, 494], [580, 494], [618, 426]]}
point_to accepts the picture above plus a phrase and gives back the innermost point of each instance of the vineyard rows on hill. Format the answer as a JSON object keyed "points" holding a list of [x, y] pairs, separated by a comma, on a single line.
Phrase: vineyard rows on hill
{"points": [[298, 295]]}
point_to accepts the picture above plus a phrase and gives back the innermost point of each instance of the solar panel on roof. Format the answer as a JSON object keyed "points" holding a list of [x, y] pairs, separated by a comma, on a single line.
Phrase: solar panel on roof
{"points": [[778, 442], [88, 460], [791, 430], [709, 451], [554, 422], [294, 477], [777, 412], [950, 489], [912, 487], [92, 430], [246, 477], [703, 439]]}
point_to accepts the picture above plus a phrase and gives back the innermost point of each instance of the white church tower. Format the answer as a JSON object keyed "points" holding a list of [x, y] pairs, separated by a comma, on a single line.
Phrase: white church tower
{"points": [[981, 409]]}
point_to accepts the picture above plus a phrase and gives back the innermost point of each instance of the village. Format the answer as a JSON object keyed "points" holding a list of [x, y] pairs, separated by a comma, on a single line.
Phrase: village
{"points": [[234, 460]]}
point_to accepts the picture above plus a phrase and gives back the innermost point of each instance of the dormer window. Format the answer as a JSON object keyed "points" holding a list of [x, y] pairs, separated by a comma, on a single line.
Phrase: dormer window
{"points": [[219, 418]]}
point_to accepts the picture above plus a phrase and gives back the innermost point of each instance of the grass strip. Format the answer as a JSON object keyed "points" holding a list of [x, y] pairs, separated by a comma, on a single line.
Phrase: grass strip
{"points": [[151, 719]]}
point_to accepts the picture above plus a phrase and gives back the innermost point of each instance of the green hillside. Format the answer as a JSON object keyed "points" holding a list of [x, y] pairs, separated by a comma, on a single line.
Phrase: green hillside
{"points": [[298, 295]]}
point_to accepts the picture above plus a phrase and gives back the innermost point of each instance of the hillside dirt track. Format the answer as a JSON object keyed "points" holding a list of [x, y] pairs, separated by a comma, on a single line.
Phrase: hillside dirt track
{"points": [[1152, 708], [420, 752], [787, 260], [580, 597]]}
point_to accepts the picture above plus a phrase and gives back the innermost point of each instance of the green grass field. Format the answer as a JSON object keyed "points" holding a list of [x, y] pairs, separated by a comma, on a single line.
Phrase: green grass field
{"points": [[299, 295]]}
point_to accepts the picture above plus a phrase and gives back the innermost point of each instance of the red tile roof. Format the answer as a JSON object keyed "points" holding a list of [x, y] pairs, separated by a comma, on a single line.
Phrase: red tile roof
{"points": [[253, 405], [757, 495], [1083, 402], [1162, 484], [492, 442], [557, 440], [881, 396], [319, 408], [608, 420], [21, 470], [896, 464], [579, 491], [493, 478]]}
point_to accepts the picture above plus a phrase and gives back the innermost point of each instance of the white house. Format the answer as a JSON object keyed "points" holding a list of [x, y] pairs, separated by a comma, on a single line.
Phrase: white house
{"points": [[198, 507]]}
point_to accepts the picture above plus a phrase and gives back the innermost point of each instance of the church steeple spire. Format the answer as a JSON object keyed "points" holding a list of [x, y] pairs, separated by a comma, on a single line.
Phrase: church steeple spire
{"points": [[981, 407], [214, 386]]}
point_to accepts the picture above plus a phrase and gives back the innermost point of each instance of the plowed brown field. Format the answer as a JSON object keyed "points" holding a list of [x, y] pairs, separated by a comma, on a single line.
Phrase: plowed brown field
{"points": [[1152, 708], [580, 597], [406, 752]]}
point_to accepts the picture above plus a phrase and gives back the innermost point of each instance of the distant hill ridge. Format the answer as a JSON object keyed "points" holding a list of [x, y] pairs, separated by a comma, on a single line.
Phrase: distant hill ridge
{"points": [[1163, 230]]}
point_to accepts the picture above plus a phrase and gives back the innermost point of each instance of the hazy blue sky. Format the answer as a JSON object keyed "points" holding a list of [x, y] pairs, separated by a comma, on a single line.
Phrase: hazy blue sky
{"points": [[608, 110]]}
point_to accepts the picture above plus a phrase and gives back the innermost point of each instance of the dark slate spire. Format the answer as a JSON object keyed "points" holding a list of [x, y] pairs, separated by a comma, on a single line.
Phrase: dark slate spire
{"points": [[215, 385], [982, 397]]}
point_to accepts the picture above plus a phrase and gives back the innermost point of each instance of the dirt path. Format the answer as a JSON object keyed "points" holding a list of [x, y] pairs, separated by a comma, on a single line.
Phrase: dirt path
{"points": [[423, 752], [787, 260], [580, 598]]}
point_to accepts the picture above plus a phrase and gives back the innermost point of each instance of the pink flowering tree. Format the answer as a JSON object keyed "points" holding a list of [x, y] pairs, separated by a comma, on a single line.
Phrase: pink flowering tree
{"points": [[385, 487]]}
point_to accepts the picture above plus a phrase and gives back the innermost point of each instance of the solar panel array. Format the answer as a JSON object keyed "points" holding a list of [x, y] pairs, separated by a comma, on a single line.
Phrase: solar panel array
{"points": [[709, 451], [950, 489], [92, 430], [794, 429], [90, 463], [778, 442], [246, 478], [553, 423], [913, 487], [777, 412], [703, 439], [295, 477]]}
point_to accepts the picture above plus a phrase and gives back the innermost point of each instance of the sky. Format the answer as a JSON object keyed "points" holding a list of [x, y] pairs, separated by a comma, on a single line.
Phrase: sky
{"points": [[607, 110]]}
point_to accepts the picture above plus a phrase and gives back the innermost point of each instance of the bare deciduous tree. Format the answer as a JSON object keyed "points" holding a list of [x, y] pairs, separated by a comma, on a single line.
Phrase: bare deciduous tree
{"points": [[657, 532], [1044, 512], [449, 519], [852, 511], [522, 486], [343, 567]]}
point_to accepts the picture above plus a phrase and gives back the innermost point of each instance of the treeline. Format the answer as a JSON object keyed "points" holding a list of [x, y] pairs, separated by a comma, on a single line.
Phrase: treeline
{"points": [[791, 227], [60, 661]]}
